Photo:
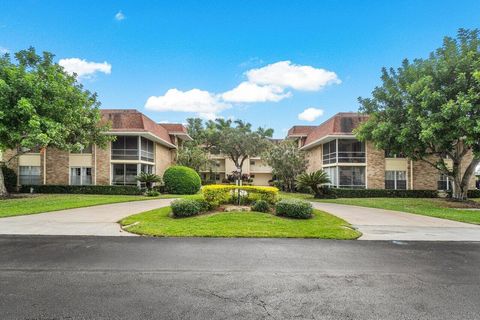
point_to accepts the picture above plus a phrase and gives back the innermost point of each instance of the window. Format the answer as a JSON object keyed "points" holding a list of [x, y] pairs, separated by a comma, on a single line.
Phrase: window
{"points": [[80, 176], [330, 152], [147, 152], [396, 180], [125, 148], [124, 174], [252, 176], [147, 168], [351, 177], [444, 182], [391, 154], [332, 174], [29, 175], [252, 162], [87, 149], [351, 151]]}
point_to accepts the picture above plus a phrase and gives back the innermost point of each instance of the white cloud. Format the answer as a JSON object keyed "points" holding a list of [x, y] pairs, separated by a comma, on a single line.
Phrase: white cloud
{"points": [[204, 103], [119, 16], [284, 74], [84, 68], [310, 114], [251, 92], [3, 50]]}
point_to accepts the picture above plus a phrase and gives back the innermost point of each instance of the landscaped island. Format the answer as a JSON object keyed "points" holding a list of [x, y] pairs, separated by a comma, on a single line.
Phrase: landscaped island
{"points": [[209, 215]]}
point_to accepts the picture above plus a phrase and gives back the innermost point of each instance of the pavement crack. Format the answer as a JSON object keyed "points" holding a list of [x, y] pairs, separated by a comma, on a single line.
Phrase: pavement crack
{"points": [[256, 300]]}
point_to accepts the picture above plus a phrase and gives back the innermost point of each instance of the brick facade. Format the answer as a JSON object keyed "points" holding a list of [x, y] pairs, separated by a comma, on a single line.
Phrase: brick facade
{"points": [[375, 171], [314, 157], [102, 165], [57, 166], [163, 158]]}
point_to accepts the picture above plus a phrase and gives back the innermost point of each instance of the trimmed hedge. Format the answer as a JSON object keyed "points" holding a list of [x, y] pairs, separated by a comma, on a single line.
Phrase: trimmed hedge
{"points": [[217, 194], [185, 208], [294, 208], [181, 180], [384, 193], [112, 190], [261, 206]]}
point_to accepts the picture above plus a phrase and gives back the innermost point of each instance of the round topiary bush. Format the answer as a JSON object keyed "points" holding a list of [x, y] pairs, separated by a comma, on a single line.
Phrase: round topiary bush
{"points": [[294, 208], [181, 180], [185, 208], [261, 206]]}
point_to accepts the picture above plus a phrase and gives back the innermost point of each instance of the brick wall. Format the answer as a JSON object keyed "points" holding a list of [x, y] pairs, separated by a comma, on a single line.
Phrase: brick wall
{"points": [[57, 166], [163, 158], [314, 157], [375, 167], [102, 165]]}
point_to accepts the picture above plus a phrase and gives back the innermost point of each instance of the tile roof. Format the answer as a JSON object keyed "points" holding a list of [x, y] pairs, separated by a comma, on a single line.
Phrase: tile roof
{"points": [[342, 123], [300, 131], [174, 127], [131, 120]]}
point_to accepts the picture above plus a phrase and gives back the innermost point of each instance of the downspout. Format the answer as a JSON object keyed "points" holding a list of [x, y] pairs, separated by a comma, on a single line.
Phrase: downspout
{"points": [[411, 174], [45, 166], [95, 163]]}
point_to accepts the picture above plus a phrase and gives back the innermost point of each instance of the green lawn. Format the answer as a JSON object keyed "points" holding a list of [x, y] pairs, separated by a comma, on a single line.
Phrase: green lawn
{"points": [[238, 224], [52, 202], [439, 208]]}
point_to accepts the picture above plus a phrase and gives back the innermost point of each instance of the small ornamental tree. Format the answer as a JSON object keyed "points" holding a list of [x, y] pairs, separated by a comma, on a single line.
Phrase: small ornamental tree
{"points": [[287, 162], [429, 110], [43, 106], [239, 142]]}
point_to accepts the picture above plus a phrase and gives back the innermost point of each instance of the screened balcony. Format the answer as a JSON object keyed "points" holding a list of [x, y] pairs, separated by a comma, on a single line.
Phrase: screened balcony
{"points": [[344, 151], [133, 148]]}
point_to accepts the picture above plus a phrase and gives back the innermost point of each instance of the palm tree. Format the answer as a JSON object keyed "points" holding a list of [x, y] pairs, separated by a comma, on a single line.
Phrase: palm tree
{"points": [[314, 181], [149, 179]]}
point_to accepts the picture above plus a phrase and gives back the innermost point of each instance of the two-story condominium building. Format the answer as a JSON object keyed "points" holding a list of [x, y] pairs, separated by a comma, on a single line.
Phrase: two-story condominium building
{"points": [[350, 163], [255, 167], [140, 145]]}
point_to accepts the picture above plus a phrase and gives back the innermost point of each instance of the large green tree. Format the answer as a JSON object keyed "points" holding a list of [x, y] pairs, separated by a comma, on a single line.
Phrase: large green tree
{"points": [[238, 141], [43, 106], [287, 162], [193, 156], [429, 109], [234, 139]]}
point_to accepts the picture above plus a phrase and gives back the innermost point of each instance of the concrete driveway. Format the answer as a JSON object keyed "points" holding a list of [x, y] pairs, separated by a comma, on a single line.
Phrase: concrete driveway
{"points": [[91, 221], [379, 224]]}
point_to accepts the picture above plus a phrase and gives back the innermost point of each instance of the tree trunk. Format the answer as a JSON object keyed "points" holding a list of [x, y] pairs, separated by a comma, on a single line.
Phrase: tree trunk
{"points": [[3, 189], [461, 183]]}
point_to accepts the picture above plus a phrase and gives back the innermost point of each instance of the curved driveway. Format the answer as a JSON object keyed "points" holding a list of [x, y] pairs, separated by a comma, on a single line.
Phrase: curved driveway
{"points": [[379, 224], [375, 224], [92, 221]]}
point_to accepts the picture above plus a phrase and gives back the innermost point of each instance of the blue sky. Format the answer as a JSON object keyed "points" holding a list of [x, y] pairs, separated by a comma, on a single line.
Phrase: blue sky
{"points": [[130, 51]]}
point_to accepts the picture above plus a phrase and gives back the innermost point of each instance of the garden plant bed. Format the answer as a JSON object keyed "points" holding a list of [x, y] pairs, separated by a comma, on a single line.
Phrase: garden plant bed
{"points": [[160, 223]]}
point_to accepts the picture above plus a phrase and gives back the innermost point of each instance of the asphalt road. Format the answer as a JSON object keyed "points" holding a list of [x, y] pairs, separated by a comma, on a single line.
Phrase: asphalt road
{"points": [[59, 277]]}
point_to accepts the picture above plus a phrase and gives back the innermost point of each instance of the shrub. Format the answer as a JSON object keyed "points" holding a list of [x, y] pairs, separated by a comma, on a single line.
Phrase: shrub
{"points": [[294, 208], [314, 181], [261, 206], [385, 193], [326, 192], [473, 193], [152, 193], [10, 178], [181, 180], [217, 194], [204, 205], [113, 190], [185, 208], [149, 179]]}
